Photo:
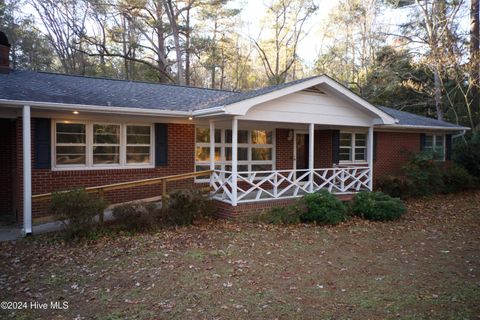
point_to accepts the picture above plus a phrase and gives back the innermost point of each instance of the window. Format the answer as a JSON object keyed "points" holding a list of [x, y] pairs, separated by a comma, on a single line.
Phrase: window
{"points": [[436, 145], [255, 150], [102, 145], [138, 144], [353, 147], [70, 147], [106, 144]]}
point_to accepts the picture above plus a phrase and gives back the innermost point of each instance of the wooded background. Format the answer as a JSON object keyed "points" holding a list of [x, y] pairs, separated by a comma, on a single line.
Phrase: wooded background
{"points": [[427, 64]]}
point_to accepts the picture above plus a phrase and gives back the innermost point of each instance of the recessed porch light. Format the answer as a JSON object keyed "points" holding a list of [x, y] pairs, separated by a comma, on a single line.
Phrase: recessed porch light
{"points": [[76, 112]]}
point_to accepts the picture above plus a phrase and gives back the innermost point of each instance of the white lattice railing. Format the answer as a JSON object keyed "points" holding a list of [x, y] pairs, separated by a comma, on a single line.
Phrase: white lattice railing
{"points": [[284, 184]]}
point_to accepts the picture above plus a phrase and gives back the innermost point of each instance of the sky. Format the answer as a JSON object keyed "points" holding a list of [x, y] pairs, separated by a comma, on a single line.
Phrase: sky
{"points": [[309, 47]]}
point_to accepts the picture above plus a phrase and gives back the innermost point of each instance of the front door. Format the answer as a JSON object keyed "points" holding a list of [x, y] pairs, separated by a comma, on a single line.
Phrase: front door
{"points": [[300, 152]]}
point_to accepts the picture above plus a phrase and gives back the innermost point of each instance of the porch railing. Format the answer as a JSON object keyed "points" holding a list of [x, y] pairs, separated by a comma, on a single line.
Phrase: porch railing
{"points": [[284, 184]]}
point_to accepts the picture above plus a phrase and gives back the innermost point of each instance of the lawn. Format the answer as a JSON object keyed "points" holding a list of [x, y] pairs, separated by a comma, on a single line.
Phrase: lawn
{"points": [[425, 266]]}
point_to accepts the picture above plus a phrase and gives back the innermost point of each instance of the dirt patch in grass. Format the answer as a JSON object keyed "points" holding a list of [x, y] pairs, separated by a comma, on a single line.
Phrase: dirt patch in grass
{"points": [[425, 266]]}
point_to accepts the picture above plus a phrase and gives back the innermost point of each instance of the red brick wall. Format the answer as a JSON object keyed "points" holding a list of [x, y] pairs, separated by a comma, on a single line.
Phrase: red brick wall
{"points": [[7, 161], [323, 149], [181, 146], [392, 151]]}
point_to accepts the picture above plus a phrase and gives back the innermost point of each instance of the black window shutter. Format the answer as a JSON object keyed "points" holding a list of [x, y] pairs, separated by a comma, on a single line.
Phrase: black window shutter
{"points": [[448, 147], [422, 141], [336, 146], [42, 143], [375, 136], [161, 144]]}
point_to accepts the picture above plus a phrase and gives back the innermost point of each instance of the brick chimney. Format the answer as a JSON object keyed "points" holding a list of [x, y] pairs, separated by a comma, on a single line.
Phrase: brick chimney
{"points": [[4, 54]]}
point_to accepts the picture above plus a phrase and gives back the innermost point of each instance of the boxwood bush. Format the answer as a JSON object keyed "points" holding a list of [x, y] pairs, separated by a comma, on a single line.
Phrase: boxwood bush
{"points": [[137, 216], [77, 210], [377, 206], [323, 208], [185, 206], [458, 179]]}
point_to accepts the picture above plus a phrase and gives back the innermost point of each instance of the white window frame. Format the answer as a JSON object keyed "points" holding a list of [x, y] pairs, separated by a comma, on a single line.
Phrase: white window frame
{"points": [[221, 165], [353, 134], [89, 147], [434, 144]]}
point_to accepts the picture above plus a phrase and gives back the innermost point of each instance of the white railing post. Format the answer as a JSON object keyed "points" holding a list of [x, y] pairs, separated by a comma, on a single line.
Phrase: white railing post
{"points": [[212, 150], [311, 156], [234, 160], [27, 173], [370, 157]]}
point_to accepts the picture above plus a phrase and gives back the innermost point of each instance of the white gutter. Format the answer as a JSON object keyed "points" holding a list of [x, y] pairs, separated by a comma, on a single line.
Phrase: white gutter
{"points": [[405, 126], [94, 108], [210, 111]]}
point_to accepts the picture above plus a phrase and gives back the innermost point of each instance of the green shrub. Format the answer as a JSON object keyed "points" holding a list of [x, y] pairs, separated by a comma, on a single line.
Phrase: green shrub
{"points": [[395, 186], [377, 206], [282, 215], [425, 175], [77, 210], [468, 154], [458, 179], [323, 208], [184, 206], [136, 216]]}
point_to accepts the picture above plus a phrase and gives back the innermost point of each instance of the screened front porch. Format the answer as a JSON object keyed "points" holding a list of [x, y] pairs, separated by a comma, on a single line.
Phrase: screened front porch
{"points": [[261, 161]]}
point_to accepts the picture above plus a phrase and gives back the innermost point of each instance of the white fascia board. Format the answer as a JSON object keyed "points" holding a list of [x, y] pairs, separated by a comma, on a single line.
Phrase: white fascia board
{"points": [[406, 127], [93, 108], [242, 107]]}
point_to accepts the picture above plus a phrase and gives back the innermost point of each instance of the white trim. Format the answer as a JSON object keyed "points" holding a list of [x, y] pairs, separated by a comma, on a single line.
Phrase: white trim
{"points": [[311, 152], [234, 160], [27, 172], [89, 147], [370, 156], [95, 108]]}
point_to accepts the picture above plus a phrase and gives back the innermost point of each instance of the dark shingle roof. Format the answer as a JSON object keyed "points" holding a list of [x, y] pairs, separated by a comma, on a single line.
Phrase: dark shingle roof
{"points": [[410, 119], [255, 93], [71, 89]]}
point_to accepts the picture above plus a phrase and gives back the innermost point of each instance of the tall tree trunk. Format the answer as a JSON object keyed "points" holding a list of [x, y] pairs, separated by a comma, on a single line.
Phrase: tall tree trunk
{"points": [[187, 47], [438, 93], [474, 58], [172, 18]]}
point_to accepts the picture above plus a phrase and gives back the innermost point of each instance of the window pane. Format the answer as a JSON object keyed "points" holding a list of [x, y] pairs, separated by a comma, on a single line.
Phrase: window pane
{"points": [[439, 141], [360, 140], [242, 168], [261, 153], [428, 141], [202, 154], [70, 133], [218, 136], [242, 154], [138, 154], [360, 154], [106, 134], [345, 139], [345, 154], [138, 134], [202, 135], [261, 137], [70, 155], [106, 155], [242, 136]]}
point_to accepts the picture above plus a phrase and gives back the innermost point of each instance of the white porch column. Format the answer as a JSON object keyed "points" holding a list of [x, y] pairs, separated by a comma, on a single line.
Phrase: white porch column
{"points": [[212, 149], [370, 156], [234, 160], [311, 149], [27, 173]]}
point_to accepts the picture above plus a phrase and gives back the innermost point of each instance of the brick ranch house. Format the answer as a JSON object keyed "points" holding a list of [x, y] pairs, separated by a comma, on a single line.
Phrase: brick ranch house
{"points": [[265, 147]]}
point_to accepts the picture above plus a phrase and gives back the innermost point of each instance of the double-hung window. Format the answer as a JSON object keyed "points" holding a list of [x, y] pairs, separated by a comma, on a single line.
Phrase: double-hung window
{"points": [[87, 144], [353, 147], [435, 144]]}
